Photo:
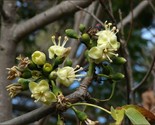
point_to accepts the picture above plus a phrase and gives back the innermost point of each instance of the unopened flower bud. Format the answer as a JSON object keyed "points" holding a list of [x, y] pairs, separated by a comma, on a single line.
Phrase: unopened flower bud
{"points": [[68, 62], [117, 76], [26, 74], [82, 28], [58, 61], [47, 68], [81, 115], [119, 60], [85, 37], [24, 83], [71, 33], [38, 58], [53, 75]]}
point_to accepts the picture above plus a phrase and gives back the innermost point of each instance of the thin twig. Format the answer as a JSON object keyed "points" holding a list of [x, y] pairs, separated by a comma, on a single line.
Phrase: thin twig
{"points": [[98, 20], [131, 22], [146, 76], [152, 6], [136, 11], [107, 11]]}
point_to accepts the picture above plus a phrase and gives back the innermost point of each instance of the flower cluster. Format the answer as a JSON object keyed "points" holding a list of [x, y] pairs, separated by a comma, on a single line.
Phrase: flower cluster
{"points": [[107, 44], [41, 76]]}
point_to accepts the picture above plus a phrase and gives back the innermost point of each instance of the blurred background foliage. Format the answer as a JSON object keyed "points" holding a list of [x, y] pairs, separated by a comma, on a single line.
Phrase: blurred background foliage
{"points": [[140, 36]]}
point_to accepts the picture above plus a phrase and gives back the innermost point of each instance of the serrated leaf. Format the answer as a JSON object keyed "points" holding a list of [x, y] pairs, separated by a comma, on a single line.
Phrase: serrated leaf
{"points": [[136, 117]]}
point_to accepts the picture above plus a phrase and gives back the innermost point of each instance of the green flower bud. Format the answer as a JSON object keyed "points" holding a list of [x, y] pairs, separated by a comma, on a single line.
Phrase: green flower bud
{"points": [[119, 60], [81, 115], [71, 33], [24, 83], [38, 58], [53, 75], [68, 62], [117, 76], [82, 28], [26, 74], [85, 38], [47, 68], [58, 61]]}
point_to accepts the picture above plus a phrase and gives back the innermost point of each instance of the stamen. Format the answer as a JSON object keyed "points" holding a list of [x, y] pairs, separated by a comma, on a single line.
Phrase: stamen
{"points": [[59, 40], [53, 40], [79, 75], [78, 79], [113, 29], [65, 41], [109, 25], [77, 66], [78, 69], [108, 57], [117, 30], [113, 54]]}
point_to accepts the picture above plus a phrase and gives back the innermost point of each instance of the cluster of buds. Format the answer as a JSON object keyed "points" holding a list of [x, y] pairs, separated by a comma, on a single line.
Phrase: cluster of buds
{"points": [[107, 44], [41, 76]]}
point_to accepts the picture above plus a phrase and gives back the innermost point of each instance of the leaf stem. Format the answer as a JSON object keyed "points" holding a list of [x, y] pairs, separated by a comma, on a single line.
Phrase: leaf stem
{"points": [[92, 105]]}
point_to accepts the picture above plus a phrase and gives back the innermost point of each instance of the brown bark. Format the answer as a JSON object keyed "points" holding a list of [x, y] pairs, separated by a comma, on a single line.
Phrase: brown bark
{"points": [[7, 56]]}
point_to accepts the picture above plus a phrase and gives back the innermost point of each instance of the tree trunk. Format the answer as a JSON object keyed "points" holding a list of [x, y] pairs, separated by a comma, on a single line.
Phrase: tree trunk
{"points": [[7, 56]]}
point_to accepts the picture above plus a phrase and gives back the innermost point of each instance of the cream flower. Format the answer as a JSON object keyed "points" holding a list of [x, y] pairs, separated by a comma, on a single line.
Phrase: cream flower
{"points": [[107, 38], [41, 92], [67, 75], [107, 45], [57, 49], [38, 58], [109, 52]]}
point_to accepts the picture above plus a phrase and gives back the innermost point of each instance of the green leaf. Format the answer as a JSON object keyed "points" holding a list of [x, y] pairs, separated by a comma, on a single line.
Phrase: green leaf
{"points": [[136, 117], [146, 113], [118, 115]]}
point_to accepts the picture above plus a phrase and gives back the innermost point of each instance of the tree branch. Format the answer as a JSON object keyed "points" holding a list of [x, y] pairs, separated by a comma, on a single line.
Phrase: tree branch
{"points": [[136, 11], [44, 18], [146, 76]]}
